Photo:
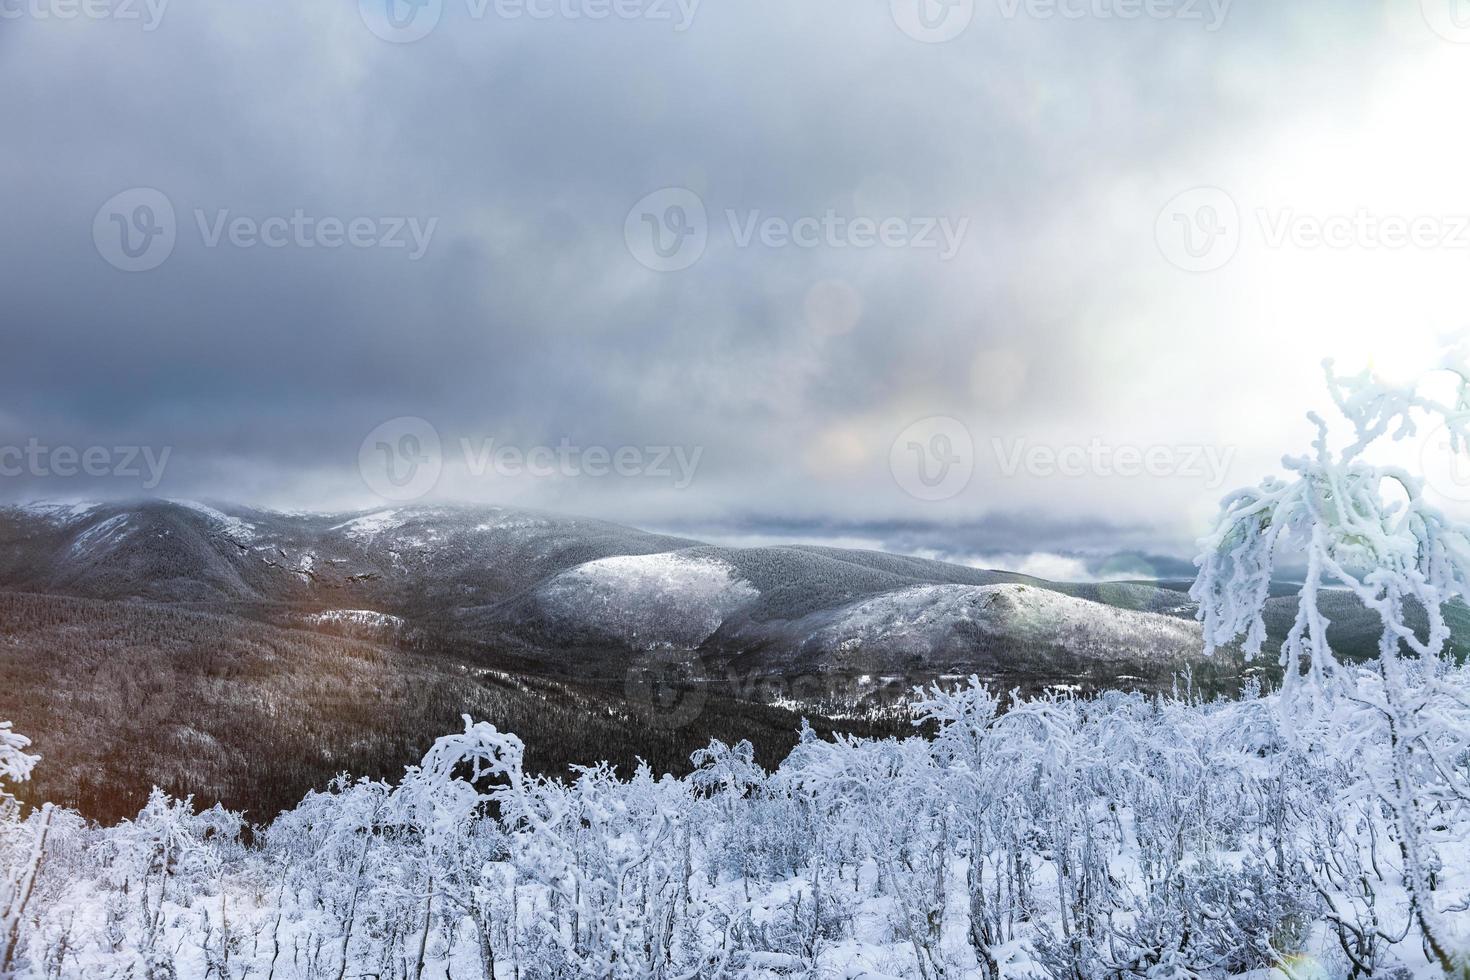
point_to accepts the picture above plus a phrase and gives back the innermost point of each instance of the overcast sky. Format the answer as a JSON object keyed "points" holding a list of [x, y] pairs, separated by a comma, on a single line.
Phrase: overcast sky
{"points": [[1084, 298]]}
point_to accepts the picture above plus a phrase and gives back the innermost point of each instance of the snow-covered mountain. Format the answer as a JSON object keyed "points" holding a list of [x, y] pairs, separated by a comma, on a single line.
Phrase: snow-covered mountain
{"points": [[670, 599], [138, 635], [561, 590], [548, 582], [959, 620], [428, 558]]}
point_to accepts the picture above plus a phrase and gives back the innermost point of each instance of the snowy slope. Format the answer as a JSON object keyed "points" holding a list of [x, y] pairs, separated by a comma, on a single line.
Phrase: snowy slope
{"points": [[929, 620], [546, 583], [646, 601]]}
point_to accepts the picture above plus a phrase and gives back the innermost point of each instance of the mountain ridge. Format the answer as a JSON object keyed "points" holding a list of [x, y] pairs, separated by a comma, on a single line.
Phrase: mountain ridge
{"points": [[132, 633], [541, 580]]}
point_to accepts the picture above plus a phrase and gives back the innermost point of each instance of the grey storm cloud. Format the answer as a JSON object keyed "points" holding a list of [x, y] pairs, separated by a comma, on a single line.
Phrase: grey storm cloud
{"points": [[261, 355]]}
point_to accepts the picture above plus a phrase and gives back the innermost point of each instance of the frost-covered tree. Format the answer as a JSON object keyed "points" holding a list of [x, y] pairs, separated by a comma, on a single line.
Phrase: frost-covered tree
{"points": [[1367, 528], [15, 763], [22, 843], [1116, 837]]}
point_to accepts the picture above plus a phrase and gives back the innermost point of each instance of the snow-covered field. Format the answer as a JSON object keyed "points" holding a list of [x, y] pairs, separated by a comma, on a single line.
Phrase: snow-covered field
{"points": [[1061, 837]]}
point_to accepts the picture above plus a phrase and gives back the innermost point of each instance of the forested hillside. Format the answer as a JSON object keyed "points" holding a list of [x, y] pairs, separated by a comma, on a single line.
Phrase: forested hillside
{"points": [[124, 696]]}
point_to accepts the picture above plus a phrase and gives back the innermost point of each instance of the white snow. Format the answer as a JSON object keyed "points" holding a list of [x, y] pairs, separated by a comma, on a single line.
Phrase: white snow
{"points": [[57, 513], [666, 599], [853, 858], [355, 617], [512, 521], [368, 526], [233, 527], [921, 618], [112, 530]]}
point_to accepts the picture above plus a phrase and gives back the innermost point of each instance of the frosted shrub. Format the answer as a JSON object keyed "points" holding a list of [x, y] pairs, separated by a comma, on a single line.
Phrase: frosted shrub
{"points": [[1119, 837], [1367, 528]]}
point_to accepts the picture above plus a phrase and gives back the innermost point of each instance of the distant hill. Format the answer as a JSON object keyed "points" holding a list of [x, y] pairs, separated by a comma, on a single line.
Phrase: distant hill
{"points": [[544, 584], [560, 591], [246, 655]]}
